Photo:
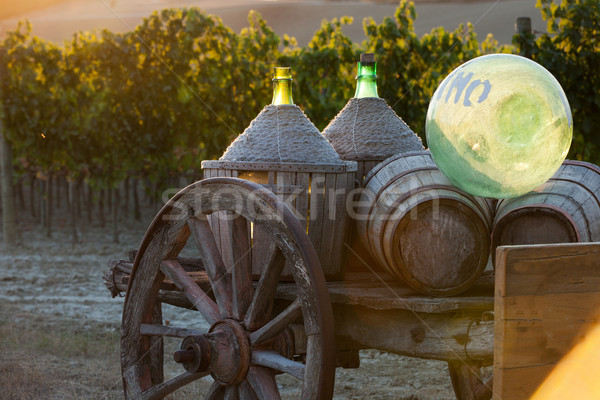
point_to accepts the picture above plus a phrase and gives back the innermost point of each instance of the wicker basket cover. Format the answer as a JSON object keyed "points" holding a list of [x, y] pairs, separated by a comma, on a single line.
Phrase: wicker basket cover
{"points": [[281, 134], [368, 129]]}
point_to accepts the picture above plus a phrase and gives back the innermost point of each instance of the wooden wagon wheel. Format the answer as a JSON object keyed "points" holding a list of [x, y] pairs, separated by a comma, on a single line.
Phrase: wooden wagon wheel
{"points": [[242, 349]]}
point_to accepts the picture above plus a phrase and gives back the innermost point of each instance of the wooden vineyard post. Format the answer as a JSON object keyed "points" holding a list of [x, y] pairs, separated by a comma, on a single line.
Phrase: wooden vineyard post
{"points": [[523, 29], [72, 209], [9, 220]]}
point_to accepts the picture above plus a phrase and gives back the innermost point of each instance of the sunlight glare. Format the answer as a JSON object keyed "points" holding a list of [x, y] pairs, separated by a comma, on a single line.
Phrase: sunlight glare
{"points": [[576, 376]]}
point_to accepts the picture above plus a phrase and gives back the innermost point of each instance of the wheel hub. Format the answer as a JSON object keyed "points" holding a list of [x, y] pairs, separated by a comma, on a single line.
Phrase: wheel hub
{"points": [[224, 351], [195, 354]]}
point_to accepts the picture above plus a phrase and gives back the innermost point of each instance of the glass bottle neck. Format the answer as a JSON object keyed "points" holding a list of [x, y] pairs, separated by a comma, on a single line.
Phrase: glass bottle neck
{"points": [[366, 80], [282, 85]]}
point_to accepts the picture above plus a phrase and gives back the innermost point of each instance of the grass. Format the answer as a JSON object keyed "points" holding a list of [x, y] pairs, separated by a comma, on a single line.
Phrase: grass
{"points": [[16, 8], [44, 357]]}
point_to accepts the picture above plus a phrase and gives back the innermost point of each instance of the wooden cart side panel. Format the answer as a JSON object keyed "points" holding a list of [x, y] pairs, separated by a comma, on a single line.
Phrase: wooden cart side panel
{"points": [[213, 219], [338, 220], [287, 180], [547, 298], [303, 181], [329, 223], [316, 204], [262, 244]]}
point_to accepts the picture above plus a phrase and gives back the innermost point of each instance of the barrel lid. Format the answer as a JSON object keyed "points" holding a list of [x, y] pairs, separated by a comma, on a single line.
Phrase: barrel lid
{"points": [[281, 134], [368, 129]]}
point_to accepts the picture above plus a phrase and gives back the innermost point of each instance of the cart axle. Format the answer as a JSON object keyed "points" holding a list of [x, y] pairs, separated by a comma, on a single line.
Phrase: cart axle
{"points": [[184, 356]]}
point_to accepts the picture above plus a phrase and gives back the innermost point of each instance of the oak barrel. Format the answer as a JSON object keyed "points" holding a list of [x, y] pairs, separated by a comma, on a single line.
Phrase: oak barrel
{"points": [[421, 228], [565, 209]]}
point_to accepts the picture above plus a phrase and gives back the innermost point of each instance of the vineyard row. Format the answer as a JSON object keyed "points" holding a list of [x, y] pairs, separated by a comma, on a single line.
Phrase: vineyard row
{"points": [[152, 103]]}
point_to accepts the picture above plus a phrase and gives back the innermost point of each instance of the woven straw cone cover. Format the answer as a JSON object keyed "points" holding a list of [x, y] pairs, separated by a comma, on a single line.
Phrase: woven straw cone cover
{"points": [[281, 134], [368, 129]]}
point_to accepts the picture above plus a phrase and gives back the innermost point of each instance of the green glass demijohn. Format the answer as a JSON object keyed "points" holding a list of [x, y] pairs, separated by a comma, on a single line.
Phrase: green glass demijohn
{"points": [[282, 86], [366, 77]]}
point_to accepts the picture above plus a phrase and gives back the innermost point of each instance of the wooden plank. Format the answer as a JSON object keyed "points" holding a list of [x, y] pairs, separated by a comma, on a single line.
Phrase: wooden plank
{"points": [[577, 374], [395, 298], [284, 180], [523, 381], [303, 181], [316, 205], [285, 167], [241, 267], [448, 337], [285, 190], [213, 219], [364, 167], [342, 229], [224, 238], [262, 244], [329, 222], [548, 269], [547, 299]]}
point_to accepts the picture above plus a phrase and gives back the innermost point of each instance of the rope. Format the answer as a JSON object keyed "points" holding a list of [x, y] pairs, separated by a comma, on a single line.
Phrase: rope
{"points": [[278, 134], [467, 338], [282, 134], [368, 129], [354, 130]]}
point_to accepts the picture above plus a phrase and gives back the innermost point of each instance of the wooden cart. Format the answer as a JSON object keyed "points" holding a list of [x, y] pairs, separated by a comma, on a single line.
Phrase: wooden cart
{"points": [[260, 326]]}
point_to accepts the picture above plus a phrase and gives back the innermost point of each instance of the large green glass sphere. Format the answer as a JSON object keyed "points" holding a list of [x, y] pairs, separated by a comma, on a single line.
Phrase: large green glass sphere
{"points": [[499, 126]]}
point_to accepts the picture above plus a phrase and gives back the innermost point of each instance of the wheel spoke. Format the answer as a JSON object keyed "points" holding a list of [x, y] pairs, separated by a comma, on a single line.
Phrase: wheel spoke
{"points": [[231, 393], [281, 321], [262, 302], [276, 361], [220, 278], [241, 268], [215, 392], [162, 389], [246, 391], [263, 382], [192, 291], [171, 331]]}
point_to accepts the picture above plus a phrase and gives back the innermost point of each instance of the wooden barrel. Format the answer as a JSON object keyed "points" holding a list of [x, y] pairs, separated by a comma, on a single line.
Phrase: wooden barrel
{"points": [[421, 228], [565, 209]]}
